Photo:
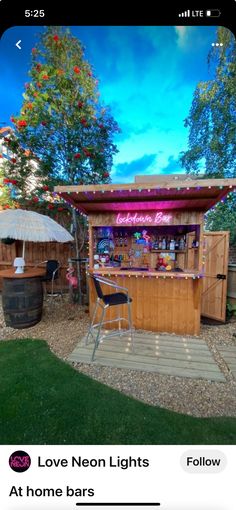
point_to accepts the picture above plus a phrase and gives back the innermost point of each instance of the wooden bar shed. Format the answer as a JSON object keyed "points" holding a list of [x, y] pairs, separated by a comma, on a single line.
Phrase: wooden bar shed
{"points": [[148, 237]]}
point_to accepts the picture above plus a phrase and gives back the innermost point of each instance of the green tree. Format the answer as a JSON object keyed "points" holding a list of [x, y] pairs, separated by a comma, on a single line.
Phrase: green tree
{"points": [[6, 186], [29, 187], [212, 127], [223, 217], [62, 121], [212, 118]]}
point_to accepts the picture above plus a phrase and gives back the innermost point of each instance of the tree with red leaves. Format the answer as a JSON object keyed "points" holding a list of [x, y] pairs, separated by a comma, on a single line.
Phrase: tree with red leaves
{"points": [[63, 133], [5, 191], [62, 121]]}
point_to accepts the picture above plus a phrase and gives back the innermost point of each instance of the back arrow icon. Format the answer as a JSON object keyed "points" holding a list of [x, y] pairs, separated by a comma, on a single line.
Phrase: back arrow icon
{"points": [[18, 44]]}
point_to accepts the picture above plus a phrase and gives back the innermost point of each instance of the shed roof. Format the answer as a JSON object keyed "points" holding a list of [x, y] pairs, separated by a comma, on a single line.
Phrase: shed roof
{"points": [[198, 195]]}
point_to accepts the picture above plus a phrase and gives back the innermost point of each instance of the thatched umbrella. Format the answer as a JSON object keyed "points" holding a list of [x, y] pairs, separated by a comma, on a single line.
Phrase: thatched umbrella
{"points": [[25, 225]]}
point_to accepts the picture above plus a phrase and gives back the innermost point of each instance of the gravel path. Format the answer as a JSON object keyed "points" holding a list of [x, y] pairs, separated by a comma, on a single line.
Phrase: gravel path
{"points": [[64, 324]]}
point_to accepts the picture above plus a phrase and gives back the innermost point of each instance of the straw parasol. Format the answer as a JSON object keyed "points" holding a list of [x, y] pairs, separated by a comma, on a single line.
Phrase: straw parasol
{"points": [[25, 225]]}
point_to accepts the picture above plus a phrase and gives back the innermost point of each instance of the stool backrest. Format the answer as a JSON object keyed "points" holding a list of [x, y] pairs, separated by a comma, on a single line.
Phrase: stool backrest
{"points": [[97, 287], [51, 266]]}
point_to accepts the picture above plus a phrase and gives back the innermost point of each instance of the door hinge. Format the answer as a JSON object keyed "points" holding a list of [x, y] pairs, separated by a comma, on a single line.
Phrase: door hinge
{"points": [[221, 276]]}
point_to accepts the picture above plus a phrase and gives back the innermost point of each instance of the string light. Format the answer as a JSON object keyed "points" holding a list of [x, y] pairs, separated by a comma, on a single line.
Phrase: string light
{"points": [[164, 277], [158, 188]]}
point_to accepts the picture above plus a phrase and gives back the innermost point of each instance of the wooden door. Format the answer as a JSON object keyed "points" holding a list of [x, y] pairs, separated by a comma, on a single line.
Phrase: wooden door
{"points": [[215, 251]]}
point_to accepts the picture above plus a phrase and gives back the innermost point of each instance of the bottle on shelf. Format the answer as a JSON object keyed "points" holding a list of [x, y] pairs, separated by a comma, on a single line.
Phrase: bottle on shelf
{"points": [[163, 244], [156, 243], [172, 244], [195, 243], [181, 244], [116, 239], [160, 243], [107, 256], [121, 240], [176, 243]]}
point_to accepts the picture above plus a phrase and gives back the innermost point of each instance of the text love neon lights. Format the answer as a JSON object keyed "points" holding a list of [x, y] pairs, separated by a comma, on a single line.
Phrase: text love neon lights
{"points": [[144, 219]]}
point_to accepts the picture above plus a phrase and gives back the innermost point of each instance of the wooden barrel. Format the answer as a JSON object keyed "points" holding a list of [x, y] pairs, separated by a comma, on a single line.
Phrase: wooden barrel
{"points": [[22, 301]]}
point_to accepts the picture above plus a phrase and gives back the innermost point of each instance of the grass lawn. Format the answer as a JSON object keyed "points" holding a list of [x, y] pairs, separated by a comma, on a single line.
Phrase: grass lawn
{"points": [[45, 401]]}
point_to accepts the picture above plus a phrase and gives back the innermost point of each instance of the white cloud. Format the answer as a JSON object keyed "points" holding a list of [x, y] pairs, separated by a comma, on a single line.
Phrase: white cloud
{"points": [[182, 36]]}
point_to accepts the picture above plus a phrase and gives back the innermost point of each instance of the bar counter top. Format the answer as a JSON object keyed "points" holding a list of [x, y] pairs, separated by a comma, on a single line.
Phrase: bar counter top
{"points": [[113, 271]]}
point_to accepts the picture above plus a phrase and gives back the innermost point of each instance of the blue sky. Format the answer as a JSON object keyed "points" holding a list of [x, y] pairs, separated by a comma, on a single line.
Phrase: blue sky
{"points": [[146, 74]]}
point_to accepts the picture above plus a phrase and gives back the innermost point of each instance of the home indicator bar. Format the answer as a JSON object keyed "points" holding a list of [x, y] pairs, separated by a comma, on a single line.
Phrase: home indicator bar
{"points": [[122, 505]]}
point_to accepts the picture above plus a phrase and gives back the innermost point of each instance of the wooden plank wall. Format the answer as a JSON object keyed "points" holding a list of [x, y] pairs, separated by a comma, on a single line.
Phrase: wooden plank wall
{"points": [[36, 253], [168, 305], [216, 262], [231, 290]]}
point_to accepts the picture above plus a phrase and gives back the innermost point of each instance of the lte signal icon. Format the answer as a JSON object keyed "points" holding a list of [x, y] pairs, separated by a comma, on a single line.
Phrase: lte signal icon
{"points": [[191, 14], [185, 14]]}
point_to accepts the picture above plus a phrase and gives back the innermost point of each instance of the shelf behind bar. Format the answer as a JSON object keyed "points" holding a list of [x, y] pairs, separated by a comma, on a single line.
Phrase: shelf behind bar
{"points": [[167, 251]]}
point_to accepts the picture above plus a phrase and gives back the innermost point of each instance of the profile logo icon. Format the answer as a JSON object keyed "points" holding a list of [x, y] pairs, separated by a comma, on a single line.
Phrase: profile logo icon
{"points": [[19, 461]]}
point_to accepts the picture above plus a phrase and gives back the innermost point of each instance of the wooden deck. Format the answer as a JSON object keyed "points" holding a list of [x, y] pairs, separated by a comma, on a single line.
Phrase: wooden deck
{"points": [[165, 354], [229, 356]]}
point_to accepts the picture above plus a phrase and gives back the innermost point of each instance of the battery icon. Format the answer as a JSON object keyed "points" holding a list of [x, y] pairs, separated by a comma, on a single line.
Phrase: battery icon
{"points": [[213, 13]]}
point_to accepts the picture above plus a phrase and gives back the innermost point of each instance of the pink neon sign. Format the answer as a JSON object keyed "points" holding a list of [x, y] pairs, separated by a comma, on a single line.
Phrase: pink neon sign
{"points": [[144, 219]]}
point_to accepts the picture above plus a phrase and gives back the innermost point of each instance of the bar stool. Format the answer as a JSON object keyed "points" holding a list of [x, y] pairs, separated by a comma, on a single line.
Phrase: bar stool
{"points": [[52, 274], [105, 301]]}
